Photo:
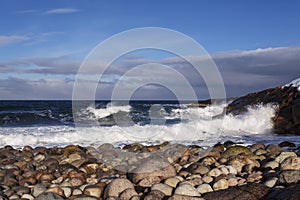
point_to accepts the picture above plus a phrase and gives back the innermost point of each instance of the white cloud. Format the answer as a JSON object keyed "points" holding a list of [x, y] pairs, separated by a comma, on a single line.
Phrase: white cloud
{"points": [[62, 11], [7, 39], [242, 71]]}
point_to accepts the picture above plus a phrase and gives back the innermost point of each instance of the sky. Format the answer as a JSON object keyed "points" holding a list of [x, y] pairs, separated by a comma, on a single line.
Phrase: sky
{"points": [[254, 44]]}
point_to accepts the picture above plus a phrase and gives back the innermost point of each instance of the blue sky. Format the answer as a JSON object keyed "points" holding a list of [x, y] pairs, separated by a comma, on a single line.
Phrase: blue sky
{"points": [[42, 43]]}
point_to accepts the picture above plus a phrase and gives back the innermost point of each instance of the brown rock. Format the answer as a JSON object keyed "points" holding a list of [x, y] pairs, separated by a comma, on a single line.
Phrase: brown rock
{"points": [[153, 168], [290, 163], [56, 190], [128, 193], [292, 192], [289, 176], [154, 195], [246, 192]]}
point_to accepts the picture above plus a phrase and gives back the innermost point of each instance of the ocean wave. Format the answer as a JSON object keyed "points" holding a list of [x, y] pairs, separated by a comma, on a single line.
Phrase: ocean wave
{"points": [[197, 124]]}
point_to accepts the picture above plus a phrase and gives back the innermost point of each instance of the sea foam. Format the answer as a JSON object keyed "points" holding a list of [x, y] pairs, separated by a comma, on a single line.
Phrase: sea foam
{"points": [[198, 125]]}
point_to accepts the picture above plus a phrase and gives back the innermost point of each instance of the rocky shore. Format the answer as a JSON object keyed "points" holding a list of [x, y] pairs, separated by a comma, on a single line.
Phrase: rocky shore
{"points": [[165, 171]]}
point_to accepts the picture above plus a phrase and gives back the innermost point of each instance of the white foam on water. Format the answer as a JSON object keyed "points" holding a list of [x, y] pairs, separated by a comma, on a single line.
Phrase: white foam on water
{"points": [[198, 125], [294, 83], [109, 110]]}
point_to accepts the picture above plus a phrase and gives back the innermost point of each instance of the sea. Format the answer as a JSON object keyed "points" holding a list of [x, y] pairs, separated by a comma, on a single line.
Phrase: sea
{"points": [[57, 123]]}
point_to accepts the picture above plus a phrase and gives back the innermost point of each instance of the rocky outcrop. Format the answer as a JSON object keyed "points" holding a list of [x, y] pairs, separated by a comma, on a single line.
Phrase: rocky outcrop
{"points": [[287, 99]]}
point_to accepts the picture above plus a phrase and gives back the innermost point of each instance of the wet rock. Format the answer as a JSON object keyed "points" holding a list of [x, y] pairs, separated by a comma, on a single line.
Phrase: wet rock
{"points": [[287, 144], [245, 192], [273, 150], [49, 196], [204, 188], [188, 190], [289, 176], [290, 163], [117, 186], [238, 162], [236, 150], [166, 189]]}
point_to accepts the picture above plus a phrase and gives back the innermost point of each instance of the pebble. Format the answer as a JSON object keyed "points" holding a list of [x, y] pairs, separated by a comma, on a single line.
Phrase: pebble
{"points": [[172, 181], [27, 196], [207, 179], [214, 172], [272, 164], [271, 182], [204, 188], [38, 189], [93, 190], [166, 189], [74, 172], [221, 184], [188, 190]]}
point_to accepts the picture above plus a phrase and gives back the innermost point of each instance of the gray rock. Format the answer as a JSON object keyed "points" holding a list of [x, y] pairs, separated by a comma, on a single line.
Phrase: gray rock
{"points": [[154, 195], [38, 189], [166, 189], [49, 196], [116, 187]]}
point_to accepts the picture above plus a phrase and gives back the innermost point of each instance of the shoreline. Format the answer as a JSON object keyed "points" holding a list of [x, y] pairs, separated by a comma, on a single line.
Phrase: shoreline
{"points": [[163, 171]]}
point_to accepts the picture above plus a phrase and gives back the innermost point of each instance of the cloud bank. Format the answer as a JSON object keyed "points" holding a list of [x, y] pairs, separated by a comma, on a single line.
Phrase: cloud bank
{"points": [[242, 72]]}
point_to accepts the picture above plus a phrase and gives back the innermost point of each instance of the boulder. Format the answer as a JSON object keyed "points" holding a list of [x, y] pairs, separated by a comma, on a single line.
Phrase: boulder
{"points": [[116, 187], [253, 191], [152, 169]]}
